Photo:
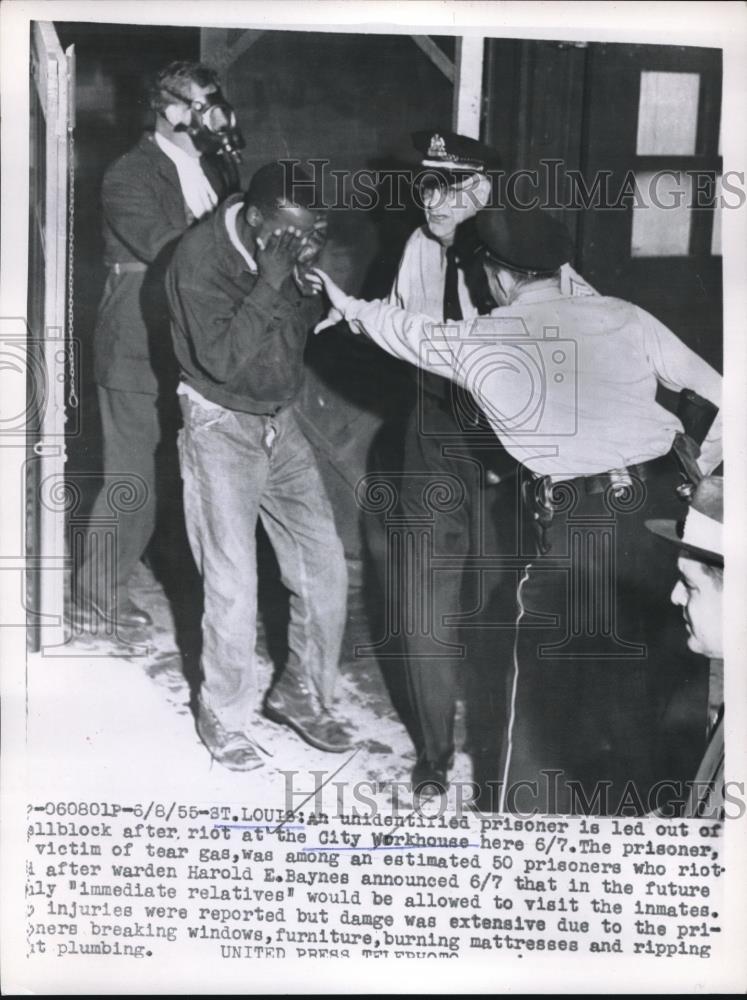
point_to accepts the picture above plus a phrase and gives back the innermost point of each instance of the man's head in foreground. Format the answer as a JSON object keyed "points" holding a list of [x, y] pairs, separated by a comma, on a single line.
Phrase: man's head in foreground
{"points": [[699, 589]]}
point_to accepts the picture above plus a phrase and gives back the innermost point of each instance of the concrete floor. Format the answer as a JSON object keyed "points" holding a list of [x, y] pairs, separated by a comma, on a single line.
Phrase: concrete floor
{"points": [[123, 715]]}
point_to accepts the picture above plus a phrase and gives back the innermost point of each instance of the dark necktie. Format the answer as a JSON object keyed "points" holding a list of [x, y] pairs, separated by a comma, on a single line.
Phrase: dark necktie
{"points": [[452, 308], [463, 407]]}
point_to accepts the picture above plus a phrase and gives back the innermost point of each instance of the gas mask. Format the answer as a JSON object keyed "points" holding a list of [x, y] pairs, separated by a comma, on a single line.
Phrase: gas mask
{"points": [[213, 127], [307, 257]]}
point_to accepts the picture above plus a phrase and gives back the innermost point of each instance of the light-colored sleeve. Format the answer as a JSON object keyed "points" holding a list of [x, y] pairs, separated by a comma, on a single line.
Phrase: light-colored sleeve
{"points": [[408, 336], [677, 368], [399, 294]]}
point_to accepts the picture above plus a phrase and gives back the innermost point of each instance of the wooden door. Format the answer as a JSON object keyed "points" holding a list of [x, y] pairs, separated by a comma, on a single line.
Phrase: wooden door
{"points": [[48, 349], [651, 136], [592, 121]]}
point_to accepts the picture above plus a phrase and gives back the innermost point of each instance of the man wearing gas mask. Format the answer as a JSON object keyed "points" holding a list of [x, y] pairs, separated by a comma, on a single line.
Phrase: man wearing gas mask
{"points": [[176, 174]]}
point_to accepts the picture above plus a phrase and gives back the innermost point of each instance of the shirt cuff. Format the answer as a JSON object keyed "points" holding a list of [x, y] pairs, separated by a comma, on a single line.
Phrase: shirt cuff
{"points": [[263, 296]]}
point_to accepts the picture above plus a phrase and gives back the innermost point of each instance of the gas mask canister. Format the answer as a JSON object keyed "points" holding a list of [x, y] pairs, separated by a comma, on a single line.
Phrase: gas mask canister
{"points": [[213, 127]]}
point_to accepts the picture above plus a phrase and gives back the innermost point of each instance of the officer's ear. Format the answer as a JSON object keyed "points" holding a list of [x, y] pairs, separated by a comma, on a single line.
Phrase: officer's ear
{"points": [[254, 217]]}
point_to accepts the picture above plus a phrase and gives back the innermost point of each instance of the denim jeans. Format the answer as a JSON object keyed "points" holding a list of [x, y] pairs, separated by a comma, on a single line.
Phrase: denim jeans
{"points": [[238, 467]]}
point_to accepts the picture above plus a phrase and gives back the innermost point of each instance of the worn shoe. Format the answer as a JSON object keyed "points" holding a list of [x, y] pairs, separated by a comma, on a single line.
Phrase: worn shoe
{"points": [[292, 704], [233, 750], [130, 615], [123, 615], [429, 778]]}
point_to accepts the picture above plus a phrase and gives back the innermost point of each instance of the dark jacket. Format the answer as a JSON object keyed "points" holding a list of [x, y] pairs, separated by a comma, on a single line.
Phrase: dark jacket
{"points": [[144, 214], [238, 341]]}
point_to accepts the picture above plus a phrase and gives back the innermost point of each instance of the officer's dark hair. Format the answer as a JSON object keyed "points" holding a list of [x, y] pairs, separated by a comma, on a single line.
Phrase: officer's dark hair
{"points": [[279, 184], [175, 79], [716, 573], [521, 278]]}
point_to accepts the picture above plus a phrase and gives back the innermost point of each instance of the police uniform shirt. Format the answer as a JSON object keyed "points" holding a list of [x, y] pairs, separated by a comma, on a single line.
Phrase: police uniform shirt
{"points": [[419, 285], [568, 382]]}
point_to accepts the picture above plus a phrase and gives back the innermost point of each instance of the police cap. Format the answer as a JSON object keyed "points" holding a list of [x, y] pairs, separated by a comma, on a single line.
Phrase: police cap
{"points": [[530, 241], [452, 152]]}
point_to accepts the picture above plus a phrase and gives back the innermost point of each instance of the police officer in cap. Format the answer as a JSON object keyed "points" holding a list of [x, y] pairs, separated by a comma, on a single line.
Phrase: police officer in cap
{"points": [[568, 383], [450, 446], [446, 441]]}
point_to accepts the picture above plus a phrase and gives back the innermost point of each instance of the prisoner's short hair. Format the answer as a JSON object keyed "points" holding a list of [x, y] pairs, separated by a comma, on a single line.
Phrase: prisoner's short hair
{"points": [[176, 78], [280, 184]]}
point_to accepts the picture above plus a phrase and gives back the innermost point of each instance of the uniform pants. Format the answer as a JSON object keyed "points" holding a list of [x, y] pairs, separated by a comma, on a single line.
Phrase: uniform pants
{"points": [[443, 506], [238, 467], [596, 645]]}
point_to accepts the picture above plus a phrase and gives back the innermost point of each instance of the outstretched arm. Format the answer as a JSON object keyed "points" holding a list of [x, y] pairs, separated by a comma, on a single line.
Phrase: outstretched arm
{"points": [[408, 336]]}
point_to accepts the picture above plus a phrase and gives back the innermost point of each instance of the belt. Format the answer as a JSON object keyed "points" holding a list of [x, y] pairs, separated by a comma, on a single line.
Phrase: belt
{"points": [[537, 491], [600, 482], [603, 481], [128, 267]]}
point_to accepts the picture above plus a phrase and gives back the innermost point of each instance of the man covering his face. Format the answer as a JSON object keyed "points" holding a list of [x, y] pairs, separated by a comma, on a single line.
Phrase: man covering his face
{"points": [[240, 317]]}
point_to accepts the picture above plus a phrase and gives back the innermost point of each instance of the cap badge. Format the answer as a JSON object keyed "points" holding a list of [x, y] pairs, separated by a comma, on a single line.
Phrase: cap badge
{"points": [[437, 148]]}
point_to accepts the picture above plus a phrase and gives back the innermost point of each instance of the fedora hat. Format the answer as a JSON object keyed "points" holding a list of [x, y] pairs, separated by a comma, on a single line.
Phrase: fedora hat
{"points": [[700, 533]]}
